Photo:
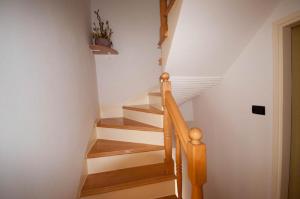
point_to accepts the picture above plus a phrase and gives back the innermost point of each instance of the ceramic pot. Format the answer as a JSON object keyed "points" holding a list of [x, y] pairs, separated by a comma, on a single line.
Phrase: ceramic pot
{"points": [[103, 42]]}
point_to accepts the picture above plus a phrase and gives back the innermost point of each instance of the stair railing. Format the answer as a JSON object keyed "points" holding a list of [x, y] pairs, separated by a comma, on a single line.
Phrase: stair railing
{"points": [[188, 140]]}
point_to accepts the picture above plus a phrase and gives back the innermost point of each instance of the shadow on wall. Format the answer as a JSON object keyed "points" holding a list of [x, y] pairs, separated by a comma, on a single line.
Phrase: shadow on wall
{"points": [[135, 70]]}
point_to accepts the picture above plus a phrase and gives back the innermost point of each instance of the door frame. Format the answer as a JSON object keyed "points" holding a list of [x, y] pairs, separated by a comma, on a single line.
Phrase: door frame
{"points": [[280, 28]]}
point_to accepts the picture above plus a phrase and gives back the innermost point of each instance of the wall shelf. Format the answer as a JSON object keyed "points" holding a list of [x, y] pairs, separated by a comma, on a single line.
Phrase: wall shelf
{"points": [[103, 50]]}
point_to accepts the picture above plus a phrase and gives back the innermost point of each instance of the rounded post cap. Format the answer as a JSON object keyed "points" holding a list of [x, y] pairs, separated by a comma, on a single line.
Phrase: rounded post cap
{"points": [[196, 135], [165, 76]]}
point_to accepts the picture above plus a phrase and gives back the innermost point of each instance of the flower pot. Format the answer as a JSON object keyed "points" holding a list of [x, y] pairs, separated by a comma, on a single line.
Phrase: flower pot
{"points": [[103, 42]]}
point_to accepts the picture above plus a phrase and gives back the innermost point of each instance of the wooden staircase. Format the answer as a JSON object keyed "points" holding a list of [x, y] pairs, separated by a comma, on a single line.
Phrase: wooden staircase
{"points": [[127, 159], [132, 155]]}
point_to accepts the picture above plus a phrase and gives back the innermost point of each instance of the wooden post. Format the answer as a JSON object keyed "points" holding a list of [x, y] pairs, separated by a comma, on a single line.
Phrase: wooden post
{"points": [[178, 168], [197, 162], [166, 86]]}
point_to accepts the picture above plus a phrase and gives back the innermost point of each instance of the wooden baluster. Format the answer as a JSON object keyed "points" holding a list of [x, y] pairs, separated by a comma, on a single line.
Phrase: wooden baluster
{"points": [[178, 168], [166, 86], [197, 163]]}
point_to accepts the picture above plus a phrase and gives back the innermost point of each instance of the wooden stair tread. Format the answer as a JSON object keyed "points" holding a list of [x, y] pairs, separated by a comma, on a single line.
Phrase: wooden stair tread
{"points": [[124, 123], [169, 197], [144, 108], [104, 148], [125, 178], [158, 94]]}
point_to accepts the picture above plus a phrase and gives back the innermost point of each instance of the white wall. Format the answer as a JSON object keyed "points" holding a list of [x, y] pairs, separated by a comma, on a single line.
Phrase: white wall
{"points": [[211, 34], [239, 143], [48, 100], [187, 111], [135, 70]]}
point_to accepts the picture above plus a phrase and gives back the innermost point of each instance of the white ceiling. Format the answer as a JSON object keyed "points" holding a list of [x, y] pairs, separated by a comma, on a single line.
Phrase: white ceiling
{"points": [[187, 87]]}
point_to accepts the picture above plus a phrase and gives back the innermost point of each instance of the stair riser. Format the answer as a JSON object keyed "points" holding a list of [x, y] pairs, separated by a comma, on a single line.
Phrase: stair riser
{"points": [[142, 192], [125, 135], [101, 164], [155, 101], [147, 118]]}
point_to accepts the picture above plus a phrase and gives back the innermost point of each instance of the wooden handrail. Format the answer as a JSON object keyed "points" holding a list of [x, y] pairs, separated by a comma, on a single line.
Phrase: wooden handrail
{"points": [[165, 8], [188, 139], [163, 21], [179, 123]]}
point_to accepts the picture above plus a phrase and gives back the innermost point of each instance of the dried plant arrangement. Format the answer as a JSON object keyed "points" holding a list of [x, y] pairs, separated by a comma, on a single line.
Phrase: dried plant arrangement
{"points": [[101, 32]]}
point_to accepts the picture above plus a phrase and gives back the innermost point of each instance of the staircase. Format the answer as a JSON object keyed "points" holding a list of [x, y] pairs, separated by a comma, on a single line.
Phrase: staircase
{"points": [[128, 158]]}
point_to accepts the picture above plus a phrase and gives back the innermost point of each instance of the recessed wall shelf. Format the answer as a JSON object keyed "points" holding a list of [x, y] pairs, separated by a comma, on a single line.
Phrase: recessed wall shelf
{"points": [[103, 50]]}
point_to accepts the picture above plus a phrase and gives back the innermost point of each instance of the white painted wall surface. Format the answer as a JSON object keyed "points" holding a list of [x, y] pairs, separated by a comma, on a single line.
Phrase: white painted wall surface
{"points": [[187, 111], [135, 70], [210, 35], [48, 100], [239, 143]]}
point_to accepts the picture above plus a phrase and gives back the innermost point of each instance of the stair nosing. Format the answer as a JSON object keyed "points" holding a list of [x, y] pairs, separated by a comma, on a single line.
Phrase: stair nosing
{"points": [[153, 178], [156, 129], [128, 185], [147, 127], [169, 196], [132, 108], [124, 151], [156, 94]]}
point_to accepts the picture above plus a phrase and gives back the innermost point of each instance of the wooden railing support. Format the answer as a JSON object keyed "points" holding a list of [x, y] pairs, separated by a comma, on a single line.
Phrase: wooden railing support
{"points": [[190, 140], [197, 162], [167, 125], [178, 168]]}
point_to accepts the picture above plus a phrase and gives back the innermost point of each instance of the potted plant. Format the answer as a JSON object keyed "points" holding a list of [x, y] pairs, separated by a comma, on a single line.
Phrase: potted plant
{"points": [[102, 32]]}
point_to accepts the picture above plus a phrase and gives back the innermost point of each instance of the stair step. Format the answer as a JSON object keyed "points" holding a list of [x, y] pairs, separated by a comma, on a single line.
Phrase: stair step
{"points": [[129, 135], [126, 178], [146, 108], [104, 148], [169, 197], [124, 123], [158, 94]]}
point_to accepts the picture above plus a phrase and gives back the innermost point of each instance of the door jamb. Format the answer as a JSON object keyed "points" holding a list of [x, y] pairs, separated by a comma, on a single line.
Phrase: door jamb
{"points": [[278, 98]]}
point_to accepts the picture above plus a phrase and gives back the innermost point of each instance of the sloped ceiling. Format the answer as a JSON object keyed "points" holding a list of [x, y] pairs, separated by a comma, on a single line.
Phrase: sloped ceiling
{"points": [[210, 35], [187, 87]]}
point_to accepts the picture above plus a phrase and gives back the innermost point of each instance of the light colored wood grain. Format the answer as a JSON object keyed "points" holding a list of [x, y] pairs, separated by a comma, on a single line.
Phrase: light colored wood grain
{"points": [[190, 140], [169, 197], [166, 86], [103, 148], [197, 169], [125, 178], [146, 108], [124, 123], [180, 125], [178, 168], [149, 191], [98, 49], [165, 8], [158, 94], [163, 21], [196, 163]]}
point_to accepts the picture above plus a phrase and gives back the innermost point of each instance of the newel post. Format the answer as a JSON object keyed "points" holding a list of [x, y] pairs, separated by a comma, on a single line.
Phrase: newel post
{"points": [[196, 162], [167, 125]]}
